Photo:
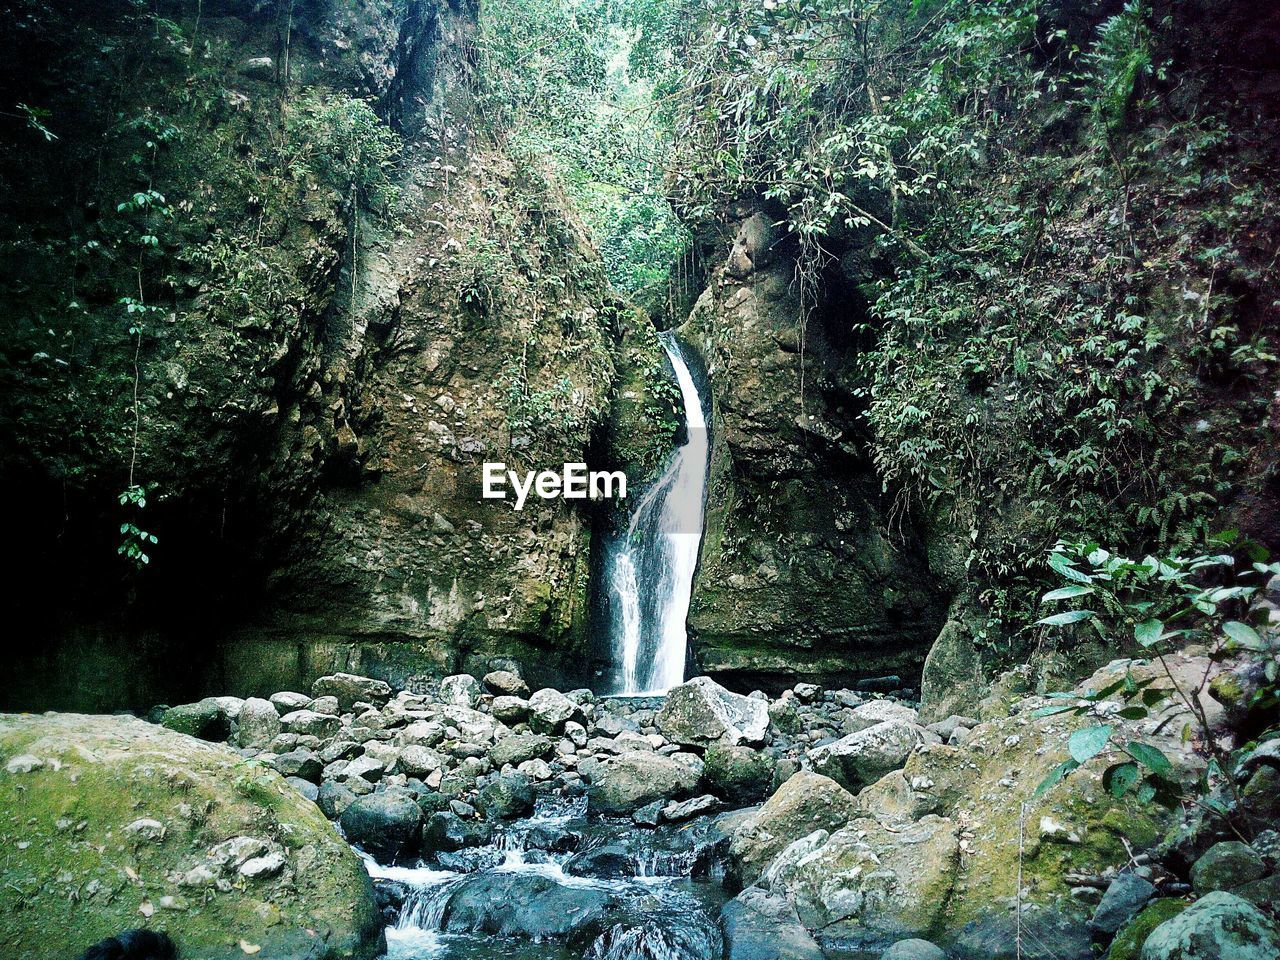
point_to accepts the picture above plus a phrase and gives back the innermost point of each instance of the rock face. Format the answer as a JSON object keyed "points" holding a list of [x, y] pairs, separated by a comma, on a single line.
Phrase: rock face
{"points": [[217, 852], [1216, 927], [702, 712]]}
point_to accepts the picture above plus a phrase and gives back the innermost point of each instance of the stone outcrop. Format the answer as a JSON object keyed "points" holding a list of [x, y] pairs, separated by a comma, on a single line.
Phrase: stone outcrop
{"points": [[114, 823]]}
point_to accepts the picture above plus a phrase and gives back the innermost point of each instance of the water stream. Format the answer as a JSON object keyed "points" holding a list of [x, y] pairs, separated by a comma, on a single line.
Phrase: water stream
{"points": [[649, 565]]}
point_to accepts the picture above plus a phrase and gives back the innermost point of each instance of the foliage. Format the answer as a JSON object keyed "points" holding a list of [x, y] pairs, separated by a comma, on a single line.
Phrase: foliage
{"points": [[339, 140], [1159, 604]]}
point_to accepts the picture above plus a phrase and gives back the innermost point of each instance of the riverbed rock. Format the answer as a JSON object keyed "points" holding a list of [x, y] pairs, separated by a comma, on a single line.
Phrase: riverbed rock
{"points": [[758, 925], [387, 826], [914, 949], [1225, 865], [308, 723], [878, 711], [739, 774], [519, 747], [864, 757], [1124, 899], [507, 796], [506, 683], [303, 894], [510, 710], [806, 802], [461, 689], [446, 831], [528, 906], [206, 720], [1219, 926], [702, 712], [636, 778]]}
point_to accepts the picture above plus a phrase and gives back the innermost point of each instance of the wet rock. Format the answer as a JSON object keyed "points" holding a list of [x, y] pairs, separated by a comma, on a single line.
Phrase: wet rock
{"points": [[333, 798], [1226, 865], [688, 809], [758, 925], [528, 906], [351, 689], [864, 757], [914, 949], [702, 712], [387, 826], [509, 795], [446, 831], [611, 861], [806, 802], [258, 723], [1216, 927], [740, 774], [637, 778]]}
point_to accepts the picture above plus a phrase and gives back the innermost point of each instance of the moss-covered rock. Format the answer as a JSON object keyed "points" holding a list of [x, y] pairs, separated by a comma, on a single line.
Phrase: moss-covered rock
{"points": [[108, 823], [1128, 942]]}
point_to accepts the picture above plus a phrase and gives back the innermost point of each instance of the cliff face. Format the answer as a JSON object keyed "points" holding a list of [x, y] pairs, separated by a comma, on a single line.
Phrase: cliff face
{"points": [[334, 292]]}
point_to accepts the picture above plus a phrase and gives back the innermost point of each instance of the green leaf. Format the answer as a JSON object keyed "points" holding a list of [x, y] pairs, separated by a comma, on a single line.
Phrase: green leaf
{"points": [[1243, 635], [1132, 713], [1120, 778], [1148, 632], [1055, 776], [1062, 619], [1087, 743], [1065, 593], [1149, 757], [1056, 708], [1153, 695]]}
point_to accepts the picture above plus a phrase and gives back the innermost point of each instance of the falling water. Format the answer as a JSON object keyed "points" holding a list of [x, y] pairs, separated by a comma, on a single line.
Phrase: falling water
{"points": [[650, 566]]}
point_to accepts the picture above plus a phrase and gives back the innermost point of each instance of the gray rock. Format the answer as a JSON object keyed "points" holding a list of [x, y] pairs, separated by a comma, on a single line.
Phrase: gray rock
{"points": [[528, 906], [310, 723], [702, 712], [742, 775], [351, 689], [864, 757], [304, 787], [205, 720], [637, 778], [805, 803], [761, 926], [867, 715], [258, 68], [333, 798], [519, 747], [507, 796], [1127, 894], [505, 682], [447, 831], [327, 705], [364, 768], [419, 761], [1225, 865], [461, 690], [1219, 926], [387, 826], [286, 701], [509, 709], [683, 810], [302, 764], [259, 724], [550, 710]]}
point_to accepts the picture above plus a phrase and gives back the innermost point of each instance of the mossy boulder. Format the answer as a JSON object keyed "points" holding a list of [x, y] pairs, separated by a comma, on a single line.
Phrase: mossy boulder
{"points": [[1128, 942], [108, 823]]}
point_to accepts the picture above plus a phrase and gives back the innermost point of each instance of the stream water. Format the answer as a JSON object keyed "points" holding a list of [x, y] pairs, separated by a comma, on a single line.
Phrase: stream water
{"points": [[627, 893], [651, 562]]}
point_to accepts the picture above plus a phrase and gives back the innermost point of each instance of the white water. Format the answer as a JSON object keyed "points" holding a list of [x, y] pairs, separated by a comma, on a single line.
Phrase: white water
{"points": [[649, 572]]}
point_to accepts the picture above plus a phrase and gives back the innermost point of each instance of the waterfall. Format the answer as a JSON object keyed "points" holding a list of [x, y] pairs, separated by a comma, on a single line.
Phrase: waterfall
{"points": [[650, 565]]}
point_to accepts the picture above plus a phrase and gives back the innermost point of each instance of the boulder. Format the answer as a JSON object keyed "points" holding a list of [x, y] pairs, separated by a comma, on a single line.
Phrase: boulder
{"points": [[507, 796], [870, 886], [702, 712], [351, 689], [806, 802], [864, 757], [1125, 897], [758, 925], [298, 763], [740, 774], [308, 723], [446, 831], [1219, 926], [528, 906], [288, 884], [206, 720], [419, 761], [550, 710], [511, 710], [516, 748], [877, 711], [258, 724], [461, 690], [505, 682], [287, 701], [681, 810], [1128, 942], [636, 778], [1225, 865], [387, 826], [333, 798]]}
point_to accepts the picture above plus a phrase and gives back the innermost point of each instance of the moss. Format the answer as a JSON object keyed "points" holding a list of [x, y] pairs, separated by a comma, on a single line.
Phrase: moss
{"points": [[1128, 942]]}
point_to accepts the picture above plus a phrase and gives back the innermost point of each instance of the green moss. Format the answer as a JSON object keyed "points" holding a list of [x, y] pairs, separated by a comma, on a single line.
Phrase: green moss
{"points": [[1128, 942]]}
